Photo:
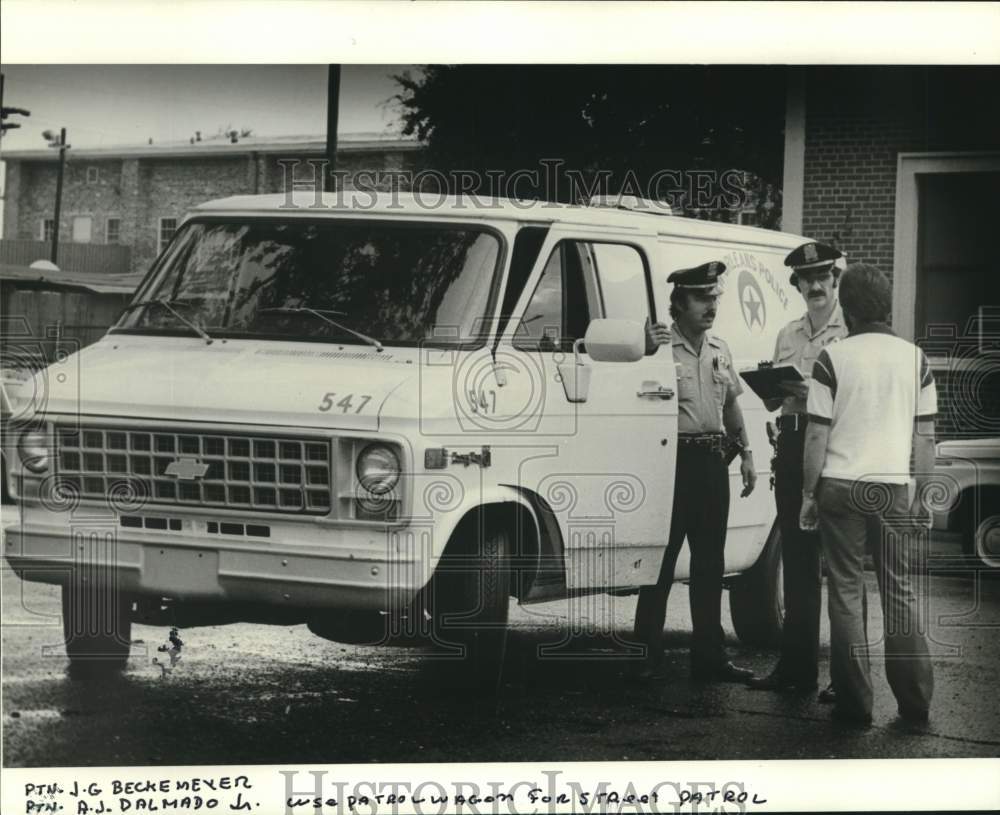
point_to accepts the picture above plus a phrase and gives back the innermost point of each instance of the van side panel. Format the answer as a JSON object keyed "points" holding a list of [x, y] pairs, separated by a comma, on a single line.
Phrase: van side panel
{"points": [[757, 301]]}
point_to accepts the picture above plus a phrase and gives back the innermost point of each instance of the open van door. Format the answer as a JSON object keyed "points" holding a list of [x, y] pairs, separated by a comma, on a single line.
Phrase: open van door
{"points": [[609, 417]]}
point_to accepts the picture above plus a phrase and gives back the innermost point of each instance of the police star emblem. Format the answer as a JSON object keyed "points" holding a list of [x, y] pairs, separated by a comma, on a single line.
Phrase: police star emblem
{"points": [[811, 255], [752, 306]]}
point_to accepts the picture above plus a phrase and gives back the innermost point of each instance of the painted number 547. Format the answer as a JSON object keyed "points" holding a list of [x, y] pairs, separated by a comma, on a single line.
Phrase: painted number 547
{"points": [[345, 404]]}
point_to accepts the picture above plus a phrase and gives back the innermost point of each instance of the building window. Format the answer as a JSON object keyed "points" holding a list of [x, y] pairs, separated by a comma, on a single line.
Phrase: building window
{"points": [[82, 228], [113, 230], [93, 175], [168, 226], [48, 228], [748, 217]]}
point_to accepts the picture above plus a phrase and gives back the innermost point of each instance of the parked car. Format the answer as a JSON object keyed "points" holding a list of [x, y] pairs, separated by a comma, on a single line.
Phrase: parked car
{"points": [[968, 472], [385, 419]]}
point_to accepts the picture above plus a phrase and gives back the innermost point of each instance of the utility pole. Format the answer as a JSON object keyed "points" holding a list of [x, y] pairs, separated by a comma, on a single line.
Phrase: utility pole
{"points": [[62, 146], [332, 114]]}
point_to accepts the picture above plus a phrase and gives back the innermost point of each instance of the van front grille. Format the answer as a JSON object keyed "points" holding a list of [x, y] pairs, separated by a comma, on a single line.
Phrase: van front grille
{"points": [[193, 469]]}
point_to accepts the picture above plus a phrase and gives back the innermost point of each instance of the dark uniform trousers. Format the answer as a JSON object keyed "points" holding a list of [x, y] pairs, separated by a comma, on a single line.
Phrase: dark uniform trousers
{"points": [[700, 513], [800, 559]]}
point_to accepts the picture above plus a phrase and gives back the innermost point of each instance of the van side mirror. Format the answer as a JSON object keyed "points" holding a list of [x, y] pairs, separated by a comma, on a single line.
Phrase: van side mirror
{"points": [[606, 341], [615, 340]]}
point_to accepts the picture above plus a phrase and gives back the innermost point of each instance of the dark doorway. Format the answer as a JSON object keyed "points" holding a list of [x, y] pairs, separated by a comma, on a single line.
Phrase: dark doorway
{"points": [[958, 275]]}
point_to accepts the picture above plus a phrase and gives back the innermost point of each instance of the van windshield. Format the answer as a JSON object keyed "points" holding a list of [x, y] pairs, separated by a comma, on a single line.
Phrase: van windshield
{"points": [[397, 283]]}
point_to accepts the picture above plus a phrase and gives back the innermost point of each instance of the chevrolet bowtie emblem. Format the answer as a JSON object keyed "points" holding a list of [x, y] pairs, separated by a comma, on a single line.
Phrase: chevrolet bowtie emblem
{"points": [[187, 469]]}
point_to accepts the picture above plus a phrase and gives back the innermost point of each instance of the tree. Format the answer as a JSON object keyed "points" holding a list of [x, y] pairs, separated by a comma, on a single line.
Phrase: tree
{"points": [[622, 123]]}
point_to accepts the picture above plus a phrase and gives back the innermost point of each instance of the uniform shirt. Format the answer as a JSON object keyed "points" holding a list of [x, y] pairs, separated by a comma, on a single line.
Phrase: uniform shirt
{"points": [[870, 389], [797, 345], [704, 380]]}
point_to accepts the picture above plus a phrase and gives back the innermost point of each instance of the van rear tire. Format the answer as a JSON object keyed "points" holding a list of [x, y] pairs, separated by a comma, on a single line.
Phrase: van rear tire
{"points": [[97, 629], [757, 597]]}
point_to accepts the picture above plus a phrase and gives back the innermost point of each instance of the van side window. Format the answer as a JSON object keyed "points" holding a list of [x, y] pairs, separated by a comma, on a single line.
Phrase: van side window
{"points": [[560, 309]]}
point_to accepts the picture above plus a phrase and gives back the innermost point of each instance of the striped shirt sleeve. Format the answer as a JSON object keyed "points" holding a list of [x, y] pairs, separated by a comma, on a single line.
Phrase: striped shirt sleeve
{"points": [[822, 390], [927, 398]]}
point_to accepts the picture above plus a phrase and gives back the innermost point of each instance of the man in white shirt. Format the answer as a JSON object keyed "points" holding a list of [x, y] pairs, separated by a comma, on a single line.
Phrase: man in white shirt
{"points": [[872, 401]]}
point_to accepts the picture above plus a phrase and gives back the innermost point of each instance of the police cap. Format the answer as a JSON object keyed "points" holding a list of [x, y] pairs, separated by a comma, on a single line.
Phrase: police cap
{"points": [[812, 258], [704, 278]]}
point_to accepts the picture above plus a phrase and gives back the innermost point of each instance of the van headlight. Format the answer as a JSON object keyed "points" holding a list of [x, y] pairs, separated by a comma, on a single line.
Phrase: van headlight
{"points": [[378, 469], [33, 448]]}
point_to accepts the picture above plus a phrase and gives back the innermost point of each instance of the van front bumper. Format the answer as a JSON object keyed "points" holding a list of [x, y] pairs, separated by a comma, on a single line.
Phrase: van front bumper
{"points": [[145, 564]]}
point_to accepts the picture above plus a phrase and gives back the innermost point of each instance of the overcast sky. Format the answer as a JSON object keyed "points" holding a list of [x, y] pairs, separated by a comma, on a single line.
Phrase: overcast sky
{"points": [[129, 104]]}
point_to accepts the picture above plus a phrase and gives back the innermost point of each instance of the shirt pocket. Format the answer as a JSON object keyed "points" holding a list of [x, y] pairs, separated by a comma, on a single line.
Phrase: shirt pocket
{"points": [[687, 385], [785, 356], [720, 384]]}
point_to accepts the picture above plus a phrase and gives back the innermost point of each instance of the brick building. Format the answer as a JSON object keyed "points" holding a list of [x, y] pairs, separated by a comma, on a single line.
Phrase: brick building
{"points": [[136, 196], [900, 167]]}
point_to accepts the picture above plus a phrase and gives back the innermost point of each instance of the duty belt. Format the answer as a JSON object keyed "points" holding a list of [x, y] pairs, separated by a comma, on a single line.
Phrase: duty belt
{"points": [[793, 422], [713, 442]]}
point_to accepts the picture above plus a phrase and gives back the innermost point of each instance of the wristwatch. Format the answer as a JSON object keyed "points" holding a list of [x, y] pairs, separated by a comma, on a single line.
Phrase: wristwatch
{"points": [[732, 446]]}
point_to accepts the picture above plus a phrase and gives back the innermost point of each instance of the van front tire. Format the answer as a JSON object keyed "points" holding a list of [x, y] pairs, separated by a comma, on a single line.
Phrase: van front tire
{"points": [[757, 597], [471, 604], [97, 629]]}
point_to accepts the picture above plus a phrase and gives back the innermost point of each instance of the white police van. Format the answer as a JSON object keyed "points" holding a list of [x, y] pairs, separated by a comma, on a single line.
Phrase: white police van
{"points": [[385, 417]]}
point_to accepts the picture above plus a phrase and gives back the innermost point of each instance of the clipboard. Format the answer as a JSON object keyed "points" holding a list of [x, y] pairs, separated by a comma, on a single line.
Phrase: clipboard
{"points": [[764, 381]]}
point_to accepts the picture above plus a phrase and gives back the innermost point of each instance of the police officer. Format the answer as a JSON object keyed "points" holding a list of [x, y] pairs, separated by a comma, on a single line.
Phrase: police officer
{"points": [[814, 273], [707, 389]]}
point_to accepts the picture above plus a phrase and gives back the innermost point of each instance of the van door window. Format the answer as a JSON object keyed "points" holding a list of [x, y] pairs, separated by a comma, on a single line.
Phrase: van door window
{"points": [[624, 284], [524, 254], [560, 309]]}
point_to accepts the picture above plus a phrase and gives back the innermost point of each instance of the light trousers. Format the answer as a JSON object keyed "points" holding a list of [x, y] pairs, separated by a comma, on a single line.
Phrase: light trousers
{"points": [[866, 516]]}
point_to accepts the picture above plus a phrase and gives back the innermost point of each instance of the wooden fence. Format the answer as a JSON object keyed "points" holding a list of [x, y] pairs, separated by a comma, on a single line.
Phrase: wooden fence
{"points": [[64, 320], [97, 258]]}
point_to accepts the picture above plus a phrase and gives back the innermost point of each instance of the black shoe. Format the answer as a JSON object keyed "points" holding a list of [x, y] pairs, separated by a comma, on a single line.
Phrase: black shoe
{"points": [[722, 672], [839, 714], [827, 696], [914, 714], [778, 681]]}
